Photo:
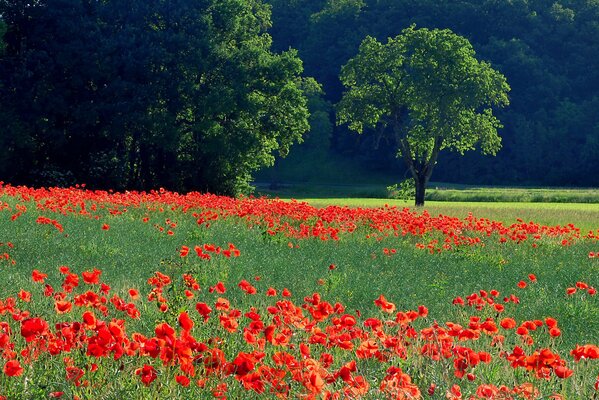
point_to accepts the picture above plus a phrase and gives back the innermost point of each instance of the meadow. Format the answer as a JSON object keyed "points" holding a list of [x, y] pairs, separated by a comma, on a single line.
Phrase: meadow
{"points": [[158, 295]]}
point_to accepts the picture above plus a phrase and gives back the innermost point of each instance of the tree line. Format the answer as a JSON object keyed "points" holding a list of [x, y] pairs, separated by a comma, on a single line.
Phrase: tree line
{"points": [[141, 94], [198, 95]]}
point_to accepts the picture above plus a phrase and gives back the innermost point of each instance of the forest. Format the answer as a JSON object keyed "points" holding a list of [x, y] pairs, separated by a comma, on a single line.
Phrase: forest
{"points": [[200, 95], [548, 51]]}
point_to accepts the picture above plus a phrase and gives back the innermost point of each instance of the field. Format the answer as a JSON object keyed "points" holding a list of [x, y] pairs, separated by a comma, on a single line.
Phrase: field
{"points": [[158, 295], [436, 192]]}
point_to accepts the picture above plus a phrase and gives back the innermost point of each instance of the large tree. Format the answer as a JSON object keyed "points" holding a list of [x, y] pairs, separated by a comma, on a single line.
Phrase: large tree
{"points": [[145, 93], [429, 89]]}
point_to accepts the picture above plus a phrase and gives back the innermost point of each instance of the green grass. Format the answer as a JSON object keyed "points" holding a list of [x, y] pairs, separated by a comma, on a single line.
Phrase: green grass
{"points": [[510, 194], [131, 251], [437, 191]]}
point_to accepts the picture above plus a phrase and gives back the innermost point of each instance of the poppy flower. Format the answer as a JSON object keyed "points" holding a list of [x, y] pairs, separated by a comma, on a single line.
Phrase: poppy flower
{"points": [[147, 374], [184, 251], [105, 227], [384, 305], [185, 322], [12, 368], [91, 277], [247, 287], [24, 295], [508, 323], [563, 372], [522, 284], [63, 307], [182, 380], [218, 288], [555, 332], [222, 304], [38, 276], [32, 327], [89, 319], [204, 310]]}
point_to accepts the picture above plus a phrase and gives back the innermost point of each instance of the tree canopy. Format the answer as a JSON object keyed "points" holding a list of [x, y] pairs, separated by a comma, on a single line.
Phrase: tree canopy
{"points": [[145, 93], [430, 90]]}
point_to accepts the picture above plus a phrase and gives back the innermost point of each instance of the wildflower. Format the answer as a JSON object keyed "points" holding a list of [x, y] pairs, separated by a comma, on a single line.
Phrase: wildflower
{"points": [[522, 284], [37, 276], [12, 368], [384, 305], [147, 373]]}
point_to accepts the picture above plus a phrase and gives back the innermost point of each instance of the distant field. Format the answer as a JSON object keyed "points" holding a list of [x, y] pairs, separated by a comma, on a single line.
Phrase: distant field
{"points": [[438, 191], [583, 215]]}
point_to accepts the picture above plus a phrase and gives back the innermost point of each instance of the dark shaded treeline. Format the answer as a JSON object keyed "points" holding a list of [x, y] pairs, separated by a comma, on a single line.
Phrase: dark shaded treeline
{"points": [[188, 94], [547, 49], [140, 94]]}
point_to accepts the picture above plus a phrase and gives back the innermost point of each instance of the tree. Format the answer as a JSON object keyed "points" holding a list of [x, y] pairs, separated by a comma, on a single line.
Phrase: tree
{"points": [[181, 94], [428, 88]]}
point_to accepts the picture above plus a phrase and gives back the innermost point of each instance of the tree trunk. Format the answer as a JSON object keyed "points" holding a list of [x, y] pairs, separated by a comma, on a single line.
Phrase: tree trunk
{"points": [[420, 182]]}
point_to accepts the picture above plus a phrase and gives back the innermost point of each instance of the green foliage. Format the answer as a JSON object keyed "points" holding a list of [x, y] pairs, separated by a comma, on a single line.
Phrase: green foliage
{"points": [[2, 32], [430, 90], [146, 94], [405, 190]]}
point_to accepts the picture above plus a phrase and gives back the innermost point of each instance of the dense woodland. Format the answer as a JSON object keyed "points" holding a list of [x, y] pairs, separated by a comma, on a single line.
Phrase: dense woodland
{"points": [[548, 50], [142, 94]]}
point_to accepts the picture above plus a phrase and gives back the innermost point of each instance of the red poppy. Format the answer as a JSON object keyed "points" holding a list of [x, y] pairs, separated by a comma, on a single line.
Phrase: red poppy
{"points": [[247, 287], [185, 322], [12, 368], [32, 327], [91, 277], [184, 251], [204, 310], [218, 288], [384, 305], [222, 304], [147, 373], [555, 332], [508, 323], [37, 276], [182, 380], [89, 319], [105, 227], [63, 307], [24, 295], [563, 372], [522, 284], [134, 294]]}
